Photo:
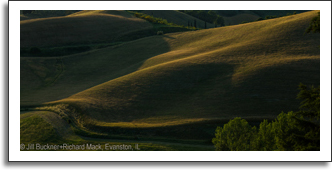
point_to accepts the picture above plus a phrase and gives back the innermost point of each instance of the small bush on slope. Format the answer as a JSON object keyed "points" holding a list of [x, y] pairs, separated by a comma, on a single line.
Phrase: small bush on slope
{"points": [[314, 24]]}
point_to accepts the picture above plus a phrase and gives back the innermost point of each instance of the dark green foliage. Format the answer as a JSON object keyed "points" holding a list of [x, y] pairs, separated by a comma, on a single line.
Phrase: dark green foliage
{"points": [[270, 17], [294, 131], [310, 114], [158, 20], [314, 25], [228, 13], [259, 19], [265, 138], [310, 105], [236, 135], [219, 21], [210, 16]]}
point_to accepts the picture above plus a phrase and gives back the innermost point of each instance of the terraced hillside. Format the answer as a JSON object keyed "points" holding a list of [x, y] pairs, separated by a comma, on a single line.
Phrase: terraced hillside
{"points": [[178, 85]]}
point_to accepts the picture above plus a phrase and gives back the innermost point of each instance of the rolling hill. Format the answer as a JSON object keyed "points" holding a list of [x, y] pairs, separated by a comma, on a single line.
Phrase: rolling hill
{"points": [[177, 17], [234, 17], [112, 12], [238, 19], [172, 85], [87, 27]]}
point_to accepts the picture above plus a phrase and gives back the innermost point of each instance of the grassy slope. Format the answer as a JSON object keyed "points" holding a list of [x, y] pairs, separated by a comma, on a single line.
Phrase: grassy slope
{"points": [[35, 129], [78, 29], [249, 70], [177, 17], [60, 77], [238, 19], [112, 12], [45, 127], [43, 14]]}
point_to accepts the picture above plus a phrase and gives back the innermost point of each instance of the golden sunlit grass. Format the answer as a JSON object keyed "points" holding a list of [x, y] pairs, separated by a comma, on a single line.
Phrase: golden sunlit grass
{"points": [[112, 12], [45, 127], [150, 122], [247, 70]]}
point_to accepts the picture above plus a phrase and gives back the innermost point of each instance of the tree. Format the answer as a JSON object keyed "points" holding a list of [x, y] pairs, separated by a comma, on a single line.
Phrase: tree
{"points": [[219, 21], [307, 118], [314, 25], [236, 135], [310, 105], [265, 138]]}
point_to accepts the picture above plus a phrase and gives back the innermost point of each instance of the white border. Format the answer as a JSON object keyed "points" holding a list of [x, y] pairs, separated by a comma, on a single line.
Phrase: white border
{"points": [[14, 83]]}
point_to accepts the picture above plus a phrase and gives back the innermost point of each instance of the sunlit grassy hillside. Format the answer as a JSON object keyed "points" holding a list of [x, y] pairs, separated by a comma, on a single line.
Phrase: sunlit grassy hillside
{"points": [[248, 70], [112, 12], [85, 28], [180, 80]]}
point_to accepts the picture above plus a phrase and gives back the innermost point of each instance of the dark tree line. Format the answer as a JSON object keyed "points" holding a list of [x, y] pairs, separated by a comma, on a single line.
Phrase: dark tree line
{"points": [[210, 16]]}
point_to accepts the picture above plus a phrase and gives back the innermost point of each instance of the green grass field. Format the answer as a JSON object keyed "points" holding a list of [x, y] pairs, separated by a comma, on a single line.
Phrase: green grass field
{"points": [[165, 92]]}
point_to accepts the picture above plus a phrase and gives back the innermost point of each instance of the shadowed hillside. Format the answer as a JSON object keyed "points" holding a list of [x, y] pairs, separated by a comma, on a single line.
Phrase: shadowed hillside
{"points": [[238, 19], [78, 29], [172, 85], [177, 17]]}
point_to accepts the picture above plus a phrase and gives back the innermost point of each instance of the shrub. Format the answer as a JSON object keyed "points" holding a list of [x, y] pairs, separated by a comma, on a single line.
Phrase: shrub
{"points": [[259, 19], [314, 25], [160, 33]]}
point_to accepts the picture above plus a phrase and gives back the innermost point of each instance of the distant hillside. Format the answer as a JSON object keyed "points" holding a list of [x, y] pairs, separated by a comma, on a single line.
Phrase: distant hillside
{"points": [[240, 18], [260, 13], [78, 29], [112, 12], [264, 13], [177, 17], [33, 14], [233, 17]]}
